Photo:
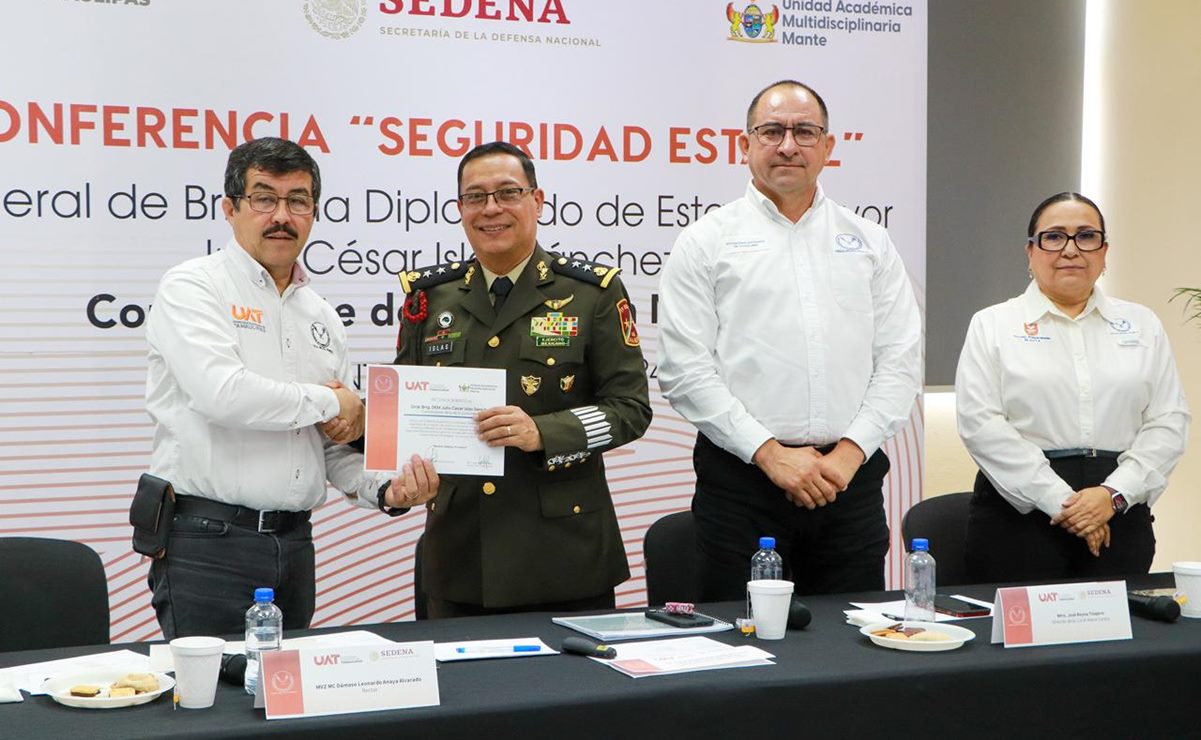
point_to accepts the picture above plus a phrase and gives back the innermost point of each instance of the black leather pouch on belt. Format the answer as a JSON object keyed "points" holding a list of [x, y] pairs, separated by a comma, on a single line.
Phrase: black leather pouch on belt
{"points": [[150, 514]]}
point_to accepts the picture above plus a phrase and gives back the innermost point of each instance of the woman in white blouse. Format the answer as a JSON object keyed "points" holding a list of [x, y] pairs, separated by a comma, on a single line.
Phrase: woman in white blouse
{"points": [[1070, 403]]}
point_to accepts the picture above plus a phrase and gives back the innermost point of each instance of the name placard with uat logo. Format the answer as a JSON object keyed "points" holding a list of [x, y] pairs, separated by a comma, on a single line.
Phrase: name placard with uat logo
{"points": [[319, 681], [1062, 613]]}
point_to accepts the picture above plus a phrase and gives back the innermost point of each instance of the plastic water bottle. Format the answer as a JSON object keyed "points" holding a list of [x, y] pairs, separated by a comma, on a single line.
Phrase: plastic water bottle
{"points": [[767, 564], [919, 583], [264, 631]]}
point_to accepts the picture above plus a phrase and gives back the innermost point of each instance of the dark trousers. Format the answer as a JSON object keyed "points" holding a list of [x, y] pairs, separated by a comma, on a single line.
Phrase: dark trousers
{"points": [[206, 582], [1004, 545], [835, 548], [441, 609]]}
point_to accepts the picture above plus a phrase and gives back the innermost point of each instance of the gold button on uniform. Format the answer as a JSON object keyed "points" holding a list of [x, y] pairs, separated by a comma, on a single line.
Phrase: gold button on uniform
{"points": [[489, 488], [494, 342], [575, 509], [433, 505], [550, 361]]}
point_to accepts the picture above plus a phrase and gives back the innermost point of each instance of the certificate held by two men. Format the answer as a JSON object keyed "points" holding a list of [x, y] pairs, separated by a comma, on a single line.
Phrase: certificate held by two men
{"points": [[430, 411]]}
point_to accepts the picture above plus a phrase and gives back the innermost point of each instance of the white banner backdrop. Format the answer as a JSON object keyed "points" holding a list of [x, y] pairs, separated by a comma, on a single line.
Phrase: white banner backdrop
{"points": [[117, 116]]}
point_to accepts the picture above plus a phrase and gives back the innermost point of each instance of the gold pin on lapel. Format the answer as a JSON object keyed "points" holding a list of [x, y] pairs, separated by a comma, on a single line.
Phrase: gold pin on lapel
{"points": [[566, 383], [530, 384], [543, 270]]}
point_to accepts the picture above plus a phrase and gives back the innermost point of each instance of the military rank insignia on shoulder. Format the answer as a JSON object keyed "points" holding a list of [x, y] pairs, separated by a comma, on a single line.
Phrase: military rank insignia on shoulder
{"points": [[588, 272], [436, 275]]}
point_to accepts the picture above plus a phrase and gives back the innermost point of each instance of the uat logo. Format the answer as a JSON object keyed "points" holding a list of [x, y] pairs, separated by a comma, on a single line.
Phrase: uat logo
{"points": [[331, 659], [246, 313], [1048, 597], [1031, 329], [527, 11], [417, 385]]}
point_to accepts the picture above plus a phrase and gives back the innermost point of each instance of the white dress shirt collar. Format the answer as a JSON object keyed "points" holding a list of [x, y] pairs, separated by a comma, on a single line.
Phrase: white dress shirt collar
{"points": [[764, 203], [1035, 305], [258, 274]]}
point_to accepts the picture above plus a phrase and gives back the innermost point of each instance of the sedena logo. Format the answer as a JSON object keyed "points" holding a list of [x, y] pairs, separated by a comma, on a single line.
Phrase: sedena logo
{"points": [[752, 24], [336, 19], [530, 11]]}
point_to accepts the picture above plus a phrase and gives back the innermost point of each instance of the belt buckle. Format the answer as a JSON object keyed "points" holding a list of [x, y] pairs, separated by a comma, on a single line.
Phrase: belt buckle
{"points": [[1090, 452], [264, 529]]}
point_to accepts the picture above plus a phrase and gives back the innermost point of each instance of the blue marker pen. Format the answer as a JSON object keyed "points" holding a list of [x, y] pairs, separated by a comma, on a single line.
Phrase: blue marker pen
{"points": [[499, 649]]}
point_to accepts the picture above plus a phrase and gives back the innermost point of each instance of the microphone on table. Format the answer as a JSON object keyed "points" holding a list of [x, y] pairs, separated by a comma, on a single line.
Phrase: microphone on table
{"points": [[233, 669], [1162, 608], [799, 615], [582, 646]]}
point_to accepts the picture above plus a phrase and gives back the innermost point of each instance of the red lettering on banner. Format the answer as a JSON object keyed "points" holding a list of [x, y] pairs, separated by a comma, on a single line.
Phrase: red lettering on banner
{"points": [[114, 126], [529, 11], [150, 125], [147, 126]]}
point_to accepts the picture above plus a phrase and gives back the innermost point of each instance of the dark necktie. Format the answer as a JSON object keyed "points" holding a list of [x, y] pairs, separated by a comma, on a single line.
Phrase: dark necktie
{"points": [[500, 288]]}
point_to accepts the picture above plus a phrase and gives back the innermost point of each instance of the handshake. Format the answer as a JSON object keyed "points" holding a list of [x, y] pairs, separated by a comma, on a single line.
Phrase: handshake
{"points": [[347, 426]]}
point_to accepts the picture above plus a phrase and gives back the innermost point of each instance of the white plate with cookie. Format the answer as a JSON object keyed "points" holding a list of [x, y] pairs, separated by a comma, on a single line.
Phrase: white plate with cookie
{"points": [[926, 637], [107, 689]]}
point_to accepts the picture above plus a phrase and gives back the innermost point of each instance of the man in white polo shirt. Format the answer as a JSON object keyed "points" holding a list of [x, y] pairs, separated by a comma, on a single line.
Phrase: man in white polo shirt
{"points": [[790, 337], [248, 387]]}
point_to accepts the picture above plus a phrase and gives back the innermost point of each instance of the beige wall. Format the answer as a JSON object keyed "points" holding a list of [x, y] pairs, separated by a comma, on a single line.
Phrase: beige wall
{"points": [[1146, 176], [1148, 184]]}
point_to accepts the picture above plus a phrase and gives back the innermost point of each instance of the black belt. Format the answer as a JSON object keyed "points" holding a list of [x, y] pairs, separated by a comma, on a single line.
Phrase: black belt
{"points": [[277, 522], [1079, 452]]}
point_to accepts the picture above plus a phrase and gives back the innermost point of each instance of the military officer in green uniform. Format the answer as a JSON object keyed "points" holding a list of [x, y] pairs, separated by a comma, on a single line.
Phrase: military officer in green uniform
{"points": [[545, 535]]}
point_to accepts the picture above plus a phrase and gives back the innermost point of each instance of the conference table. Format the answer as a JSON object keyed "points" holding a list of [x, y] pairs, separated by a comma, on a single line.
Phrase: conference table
{"points": [[827, 681]]}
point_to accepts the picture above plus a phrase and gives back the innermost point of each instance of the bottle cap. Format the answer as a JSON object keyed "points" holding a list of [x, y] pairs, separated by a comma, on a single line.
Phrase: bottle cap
{"points": [[767, 543], [920, 543], [263, 595]]}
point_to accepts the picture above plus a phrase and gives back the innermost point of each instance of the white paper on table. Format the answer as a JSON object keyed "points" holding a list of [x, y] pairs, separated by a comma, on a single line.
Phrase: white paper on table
{"points": [[29, 677], [446, 652], [682, 655], [161, 660], [430, 411], [895, 610]]}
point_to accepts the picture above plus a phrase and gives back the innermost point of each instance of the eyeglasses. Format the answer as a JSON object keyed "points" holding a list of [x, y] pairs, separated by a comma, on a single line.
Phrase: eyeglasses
{"points": [[504, 197], [298, 205], [772, 134], [1087, 240]]}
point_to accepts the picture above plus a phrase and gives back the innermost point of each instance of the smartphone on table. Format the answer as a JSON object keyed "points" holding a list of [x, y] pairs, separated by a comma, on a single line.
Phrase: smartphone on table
{"points": [[951, 606], [678, 620]]}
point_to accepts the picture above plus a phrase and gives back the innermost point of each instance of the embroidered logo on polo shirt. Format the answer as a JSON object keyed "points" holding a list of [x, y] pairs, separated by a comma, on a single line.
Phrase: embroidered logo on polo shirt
{"points": [[848, 243], [320, 334], [1031, 333], [245, 317]]}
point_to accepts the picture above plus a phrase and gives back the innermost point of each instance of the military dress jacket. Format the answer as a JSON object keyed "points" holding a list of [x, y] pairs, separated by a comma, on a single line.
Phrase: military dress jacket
{"points": [[546, 531]]}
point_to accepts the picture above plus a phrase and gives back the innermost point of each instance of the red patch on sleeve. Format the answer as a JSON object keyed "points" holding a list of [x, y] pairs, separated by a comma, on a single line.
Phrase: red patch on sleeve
{"points": [[629, 332]]}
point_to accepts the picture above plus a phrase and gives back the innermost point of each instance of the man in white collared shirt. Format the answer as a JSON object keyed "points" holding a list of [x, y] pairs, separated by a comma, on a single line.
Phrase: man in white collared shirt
{"points": [[248, 387], [791, 339]]}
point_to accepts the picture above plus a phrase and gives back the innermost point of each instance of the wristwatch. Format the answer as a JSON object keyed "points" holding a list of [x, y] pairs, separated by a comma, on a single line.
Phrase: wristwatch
{"points": [[1120, 504], [379, 501]]}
